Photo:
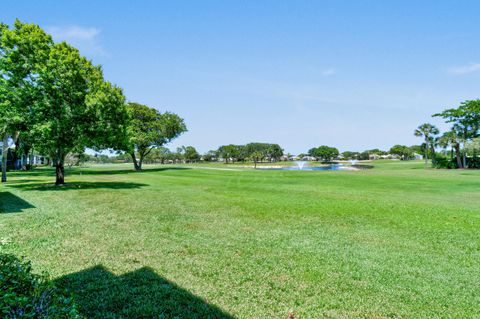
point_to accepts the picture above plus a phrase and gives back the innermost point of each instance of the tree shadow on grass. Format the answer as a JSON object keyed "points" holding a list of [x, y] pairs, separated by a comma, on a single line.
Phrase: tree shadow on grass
{"points": [[76, 186], [139, 294], [87, 171], [22, 181], [10, 203], [48, 171]]}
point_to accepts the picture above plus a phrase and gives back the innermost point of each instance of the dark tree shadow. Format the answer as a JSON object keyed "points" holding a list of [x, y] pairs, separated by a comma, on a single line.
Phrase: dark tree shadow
{"points": [[10, 203], [48, 171], [76, 185], [363, 166], [86, 171], [139, 294], [23, 181]]}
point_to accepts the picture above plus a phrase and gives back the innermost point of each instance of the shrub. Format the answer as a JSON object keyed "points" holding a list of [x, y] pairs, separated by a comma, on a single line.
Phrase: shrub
{"points": [[444, 162], [27, 295], [473, 162]]}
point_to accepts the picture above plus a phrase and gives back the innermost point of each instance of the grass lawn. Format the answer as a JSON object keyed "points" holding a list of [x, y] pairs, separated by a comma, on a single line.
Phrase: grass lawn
{"points": [[396, 241]]}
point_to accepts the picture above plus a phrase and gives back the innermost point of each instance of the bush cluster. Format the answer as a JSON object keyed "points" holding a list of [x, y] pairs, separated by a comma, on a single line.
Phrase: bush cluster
{"points": [[451, 163], [443, 162], [24, 294]]}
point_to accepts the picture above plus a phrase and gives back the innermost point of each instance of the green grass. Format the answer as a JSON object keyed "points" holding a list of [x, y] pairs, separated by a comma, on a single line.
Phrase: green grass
{"points": [[396, 241]]}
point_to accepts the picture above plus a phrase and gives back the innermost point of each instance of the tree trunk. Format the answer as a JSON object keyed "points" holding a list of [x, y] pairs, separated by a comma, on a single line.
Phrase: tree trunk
{"points": [[32, 157], [135, 163], [24, 158], [140, 162], [457, 154], [434, 155], [60, 172], [4, 158], [426, 152]]}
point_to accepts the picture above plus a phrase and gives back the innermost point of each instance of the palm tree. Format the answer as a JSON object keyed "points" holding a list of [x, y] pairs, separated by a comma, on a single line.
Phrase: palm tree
{"points": [[434, 143], [427, 131], [450, 138], [256, 157]]}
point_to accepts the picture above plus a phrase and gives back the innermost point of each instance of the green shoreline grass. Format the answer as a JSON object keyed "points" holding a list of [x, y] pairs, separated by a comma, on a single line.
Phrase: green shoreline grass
{"points": [[396, 241]]}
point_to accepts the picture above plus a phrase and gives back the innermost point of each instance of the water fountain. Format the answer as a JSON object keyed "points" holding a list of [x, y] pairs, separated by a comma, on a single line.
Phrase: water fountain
{"points": [[353, 162], [300, 164]]}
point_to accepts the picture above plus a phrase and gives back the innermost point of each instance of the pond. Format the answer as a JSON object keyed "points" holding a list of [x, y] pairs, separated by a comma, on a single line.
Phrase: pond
{"points": [[303, 166]]}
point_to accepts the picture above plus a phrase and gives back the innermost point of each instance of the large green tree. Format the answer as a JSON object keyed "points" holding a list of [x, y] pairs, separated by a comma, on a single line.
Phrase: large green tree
{"points": [[230, 152], [149, 129], [272, 152], [77, 108], [403, 151], [324, 153], [191, 154], [428, 132]]}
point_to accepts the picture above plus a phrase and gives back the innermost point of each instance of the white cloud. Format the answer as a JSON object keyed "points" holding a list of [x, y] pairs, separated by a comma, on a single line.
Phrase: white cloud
{"points": [[328, 72], [465, 69], [83, 38]]}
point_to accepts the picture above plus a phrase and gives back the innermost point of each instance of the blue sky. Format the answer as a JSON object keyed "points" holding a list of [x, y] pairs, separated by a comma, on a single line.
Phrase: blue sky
{"points": [[350, 74]]}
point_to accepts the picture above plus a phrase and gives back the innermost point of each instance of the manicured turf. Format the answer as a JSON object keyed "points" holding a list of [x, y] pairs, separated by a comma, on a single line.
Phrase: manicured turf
{"points": [[393, 241]]}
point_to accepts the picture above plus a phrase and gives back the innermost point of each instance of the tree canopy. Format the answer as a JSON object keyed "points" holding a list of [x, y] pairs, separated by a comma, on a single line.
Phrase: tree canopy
{"points": [[324, 153], [403, 151], [262, 151], [77, 109], [191, 154], [59, 97], [149, 129]]}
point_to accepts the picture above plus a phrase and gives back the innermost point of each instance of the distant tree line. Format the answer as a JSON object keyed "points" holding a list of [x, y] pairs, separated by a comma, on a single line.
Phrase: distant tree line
{"points": [[252, 152], [402, 152], [256, 152], [183, 154]]}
